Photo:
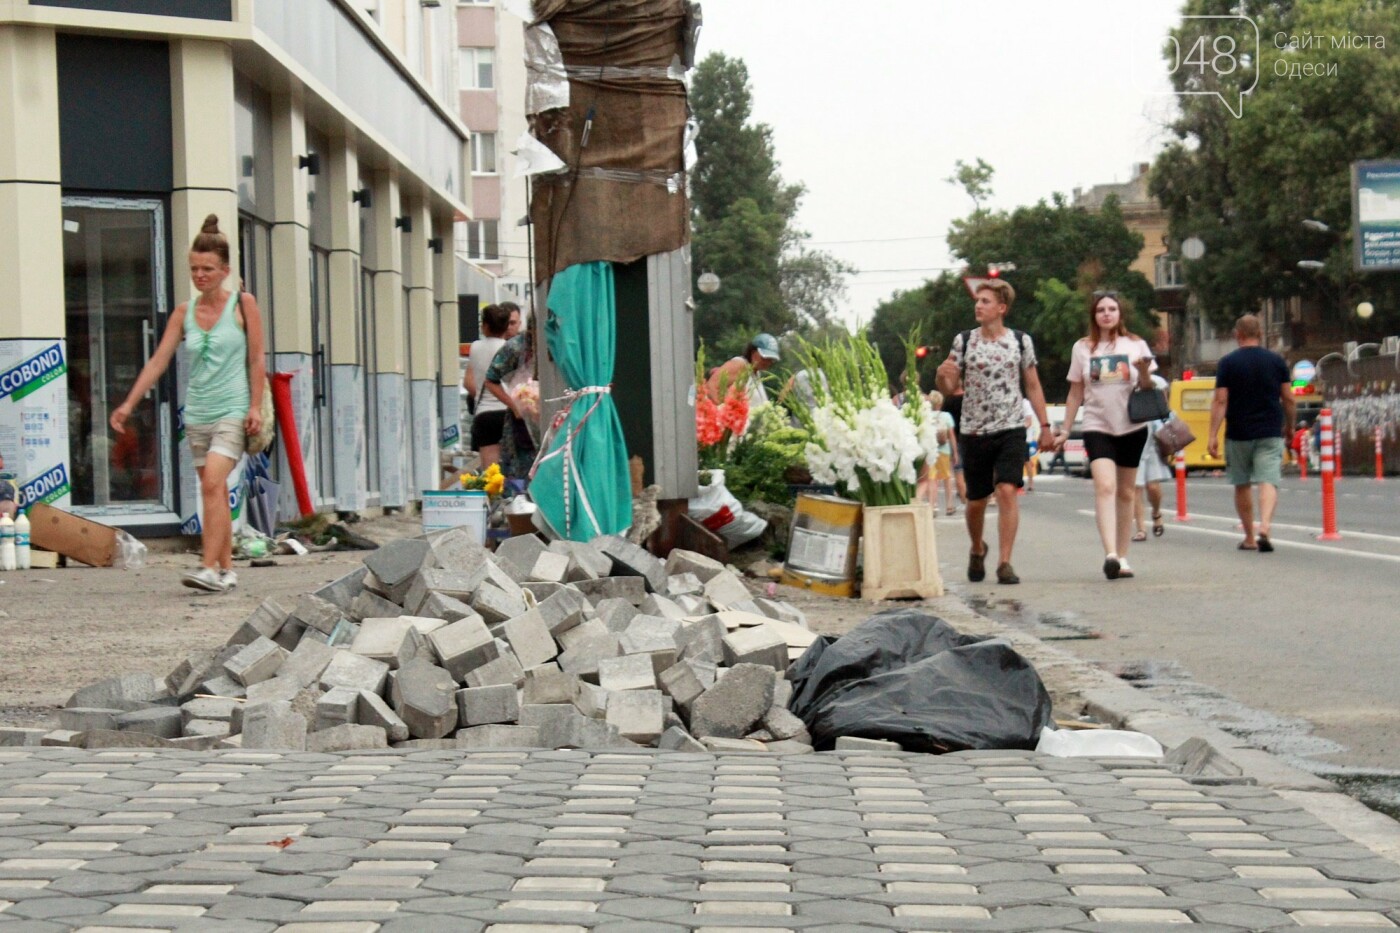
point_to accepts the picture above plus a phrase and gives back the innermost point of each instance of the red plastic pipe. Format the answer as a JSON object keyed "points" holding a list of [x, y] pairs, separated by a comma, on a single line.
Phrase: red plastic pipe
{"points": [[1329, 479], [1380, 455], [291, 441], [1181, 514]]}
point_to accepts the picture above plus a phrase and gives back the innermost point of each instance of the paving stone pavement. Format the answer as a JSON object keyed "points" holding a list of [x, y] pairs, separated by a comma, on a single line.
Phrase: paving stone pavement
{"points": [[552, 841]]}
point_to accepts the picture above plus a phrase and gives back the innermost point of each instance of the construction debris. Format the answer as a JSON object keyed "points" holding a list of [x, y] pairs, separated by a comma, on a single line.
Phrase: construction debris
{"points": [[437, 642]]}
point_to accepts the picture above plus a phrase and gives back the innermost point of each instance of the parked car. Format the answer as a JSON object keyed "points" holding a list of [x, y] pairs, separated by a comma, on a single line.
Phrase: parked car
{"points": [[1075, 460]]}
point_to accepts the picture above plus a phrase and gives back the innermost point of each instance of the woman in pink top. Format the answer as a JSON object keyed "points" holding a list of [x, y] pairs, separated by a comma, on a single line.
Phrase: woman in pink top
{"points": [[1103, 370]]}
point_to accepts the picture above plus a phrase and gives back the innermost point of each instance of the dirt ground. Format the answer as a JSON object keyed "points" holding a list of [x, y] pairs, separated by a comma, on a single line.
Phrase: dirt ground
{"points": [[66, 628]]}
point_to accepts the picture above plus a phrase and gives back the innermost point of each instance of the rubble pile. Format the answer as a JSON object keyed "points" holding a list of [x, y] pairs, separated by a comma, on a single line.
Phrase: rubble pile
{"points": [[438, 642]]}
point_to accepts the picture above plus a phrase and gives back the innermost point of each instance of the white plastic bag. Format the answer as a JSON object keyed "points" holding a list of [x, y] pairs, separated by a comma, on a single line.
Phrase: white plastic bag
{"points": [[1097, 743], [718, 510], [130, 553]]}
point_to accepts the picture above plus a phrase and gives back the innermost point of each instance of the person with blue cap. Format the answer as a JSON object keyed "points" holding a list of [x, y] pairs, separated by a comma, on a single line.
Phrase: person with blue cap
{"points": [[761, 353]]}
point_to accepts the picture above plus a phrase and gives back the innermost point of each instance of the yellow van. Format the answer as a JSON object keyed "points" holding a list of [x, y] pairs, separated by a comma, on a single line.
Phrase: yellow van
{"points": [[1190, 400]]}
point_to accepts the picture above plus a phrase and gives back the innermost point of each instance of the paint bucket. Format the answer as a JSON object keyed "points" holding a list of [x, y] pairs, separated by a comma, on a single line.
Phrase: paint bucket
{"points": [[823, 545], [456, 508]]}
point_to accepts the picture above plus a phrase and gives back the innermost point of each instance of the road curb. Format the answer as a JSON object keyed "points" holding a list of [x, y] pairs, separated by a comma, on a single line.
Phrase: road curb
{"points": [[1111, 700]]}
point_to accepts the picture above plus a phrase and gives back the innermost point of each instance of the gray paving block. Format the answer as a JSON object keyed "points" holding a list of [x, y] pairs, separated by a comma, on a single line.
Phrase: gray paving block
{"points": [[632, 560], [316, 613], [589, 562], [292, 633], [586, 629], [481, 706], [207, 728], [780, 611], [273, 725], [347, 737], [278, 688], [790, 747], [197, 667], [616, 614], [341, 592], [591, 700], [853, 743], [457, 584], [348, 669], [396, 640], [398, 560], [550, 685], [82, 718], [223, 686], [521, 550], [694, 605], [757, 644], [505, 669], [783, 724], [426, 701], [542, 591], [162, 721], [655, 604], [373, 711], [307, 662], [632, 589], [582, 657], [629, 672], [495, 605], [562, 610], [257, 661], [338, 706], [720, 744], [681, 683], [464, 646], [725, 589], [369, 605], [681, 561], [684, 584], [702, 639], [554, 722], [782, 689], [216, 708], [447, 608], [530, 639], [60, 738], [676, 739], [550, 568], [265, 622], [21, 736], [645, 634], [734, 705], [637, 715], [131, 687], [499, 736], [97, 738]]}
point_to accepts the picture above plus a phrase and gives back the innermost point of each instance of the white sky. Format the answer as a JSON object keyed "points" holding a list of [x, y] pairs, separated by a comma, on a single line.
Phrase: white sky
{"points": [[871, 104]]}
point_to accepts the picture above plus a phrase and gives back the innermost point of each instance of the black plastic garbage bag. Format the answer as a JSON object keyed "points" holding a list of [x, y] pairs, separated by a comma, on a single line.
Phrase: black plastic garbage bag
{"points": [[909, 677]]}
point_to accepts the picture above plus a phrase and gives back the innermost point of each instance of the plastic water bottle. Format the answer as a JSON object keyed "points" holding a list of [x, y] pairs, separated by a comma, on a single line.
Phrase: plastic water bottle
{"points": [[7, 543], [22, 541]]}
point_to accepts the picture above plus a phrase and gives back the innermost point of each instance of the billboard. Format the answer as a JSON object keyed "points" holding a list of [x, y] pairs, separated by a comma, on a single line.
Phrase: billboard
{"points": [[1375, 194]]}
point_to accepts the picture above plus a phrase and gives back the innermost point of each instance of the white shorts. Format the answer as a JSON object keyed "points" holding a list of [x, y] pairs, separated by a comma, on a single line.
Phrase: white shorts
{"points": [[225, 437]]}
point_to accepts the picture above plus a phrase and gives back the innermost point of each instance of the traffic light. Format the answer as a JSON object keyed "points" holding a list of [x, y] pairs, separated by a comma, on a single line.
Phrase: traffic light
{"points": [[1188, 374], [921, 352]]}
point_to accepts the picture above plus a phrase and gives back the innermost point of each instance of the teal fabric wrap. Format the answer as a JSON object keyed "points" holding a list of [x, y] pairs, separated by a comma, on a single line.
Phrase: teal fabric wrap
{"points": [[581, 482]]}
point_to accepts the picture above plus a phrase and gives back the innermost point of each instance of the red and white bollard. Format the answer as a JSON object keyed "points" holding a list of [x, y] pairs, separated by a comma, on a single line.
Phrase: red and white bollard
{"points": [[1304, 451], [1181, 515], [1380, 455], [1329, 482]]}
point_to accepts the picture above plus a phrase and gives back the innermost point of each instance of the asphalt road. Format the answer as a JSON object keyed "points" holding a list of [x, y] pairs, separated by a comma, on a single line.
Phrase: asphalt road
{"points": [[1296, 649]]}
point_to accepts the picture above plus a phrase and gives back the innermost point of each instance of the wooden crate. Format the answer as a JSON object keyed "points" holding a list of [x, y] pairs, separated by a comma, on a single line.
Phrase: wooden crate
{"points": [[901, 556]]}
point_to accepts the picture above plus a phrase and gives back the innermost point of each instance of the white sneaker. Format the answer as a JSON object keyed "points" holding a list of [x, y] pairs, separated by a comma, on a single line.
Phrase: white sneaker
{"points": [[228, 579], [205, 578]]}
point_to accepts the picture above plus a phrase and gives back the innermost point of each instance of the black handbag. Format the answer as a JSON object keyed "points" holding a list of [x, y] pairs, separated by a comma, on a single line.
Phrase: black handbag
{"points": [[1146, 405]]}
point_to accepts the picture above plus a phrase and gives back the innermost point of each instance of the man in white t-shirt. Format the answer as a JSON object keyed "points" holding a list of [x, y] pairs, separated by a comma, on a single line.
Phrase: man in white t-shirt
{"points": [[991, 369]]}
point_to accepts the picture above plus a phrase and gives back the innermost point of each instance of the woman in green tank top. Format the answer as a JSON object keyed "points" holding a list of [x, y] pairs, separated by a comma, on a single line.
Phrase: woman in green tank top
{"points": [[223, 336]]}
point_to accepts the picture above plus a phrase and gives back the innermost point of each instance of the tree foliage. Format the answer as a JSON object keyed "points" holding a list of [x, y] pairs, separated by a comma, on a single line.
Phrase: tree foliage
{"points": [[1061, 254], [743, 223], [975, 180], [1244, 185]]}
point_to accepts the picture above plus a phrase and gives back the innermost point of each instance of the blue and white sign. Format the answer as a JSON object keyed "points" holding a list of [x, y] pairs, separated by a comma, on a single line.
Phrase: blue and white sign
{"points": [[1376, 207], [1304, 371], [34, 419]]}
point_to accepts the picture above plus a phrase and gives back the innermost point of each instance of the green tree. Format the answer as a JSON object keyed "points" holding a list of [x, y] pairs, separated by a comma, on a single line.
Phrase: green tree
{"points": [[1244, 185], [976, 180], [743, 229], [1061, 254]]}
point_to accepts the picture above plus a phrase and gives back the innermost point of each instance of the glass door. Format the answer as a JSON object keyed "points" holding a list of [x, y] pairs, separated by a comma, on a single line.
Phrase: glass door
{"points": [[114, 290]]}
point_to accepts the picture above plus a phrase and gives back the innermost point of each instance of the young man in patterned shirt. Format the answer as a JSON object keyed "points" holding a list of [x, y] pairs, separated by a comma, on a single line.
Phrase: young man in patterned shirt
{"points": [[990, 370]]}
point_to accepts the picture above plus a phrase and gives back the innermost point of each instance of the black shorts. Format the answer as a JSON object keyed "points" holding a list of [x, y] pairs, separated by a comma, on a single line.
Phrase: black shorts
{"points": [[488, 428], [1125, 450], [992, 459]]}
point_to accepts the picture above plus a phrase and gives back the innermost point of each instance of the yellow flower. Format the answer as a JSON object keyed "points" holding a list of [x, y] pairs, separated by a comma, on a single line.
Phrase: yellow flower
{"points": [[493, 470], [495, 485]]}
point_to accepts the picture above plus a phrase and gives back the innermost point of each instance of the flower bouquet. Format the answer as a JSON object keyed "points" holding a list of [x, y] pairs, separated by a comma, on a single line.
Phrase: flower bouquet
{"points": [[527, 397], [718, 422], [861, 442], [490, 481]]}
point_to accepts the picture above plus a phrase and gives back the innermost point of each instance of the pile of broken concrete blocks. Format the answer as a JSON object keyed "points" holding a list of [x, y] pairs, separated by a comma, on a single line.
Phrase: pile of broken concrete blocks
{"points": [[438, 642]]}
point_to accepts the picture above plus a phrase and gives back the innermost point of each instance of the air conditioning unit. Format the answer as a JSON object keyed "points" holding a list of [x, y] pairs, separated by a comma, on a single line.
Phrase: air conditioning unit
{"points": [[1390, 346], [1349, 350]]}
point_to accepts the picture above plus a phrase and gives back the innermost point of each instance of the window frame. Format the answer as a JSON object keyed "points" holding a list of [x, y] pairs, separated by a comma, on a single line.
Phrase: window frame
{"points": [[474, 53]]}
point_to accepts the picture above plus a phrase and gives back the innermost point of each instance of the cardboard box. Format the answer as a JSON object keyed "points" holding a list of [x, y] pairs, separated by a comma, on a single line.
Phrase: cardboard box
{"points": [[75, 538]]}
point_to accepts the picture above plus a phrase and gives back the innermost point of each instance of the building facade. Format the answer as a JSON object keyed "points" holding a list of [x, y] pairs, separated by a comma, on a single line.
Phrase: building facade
{"points": [[321, 133]]}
